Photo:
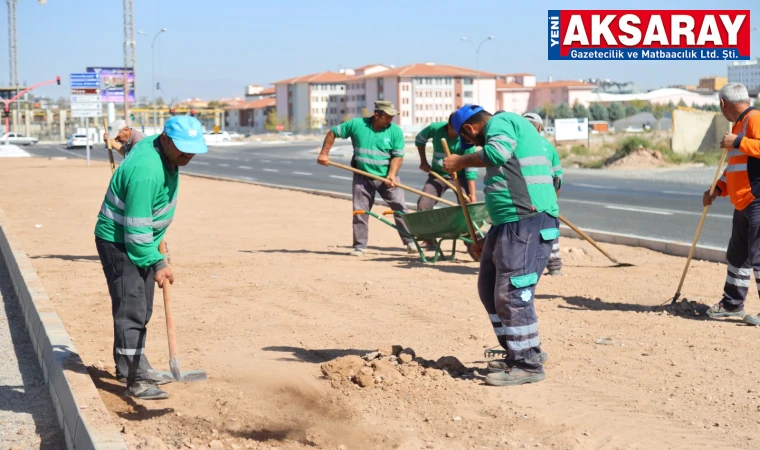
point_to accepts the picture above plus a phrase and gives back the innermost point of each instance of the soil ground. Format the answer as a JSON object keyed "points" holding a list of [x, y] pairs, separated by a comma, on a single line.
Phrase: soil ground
{"points": [[266, 295]]}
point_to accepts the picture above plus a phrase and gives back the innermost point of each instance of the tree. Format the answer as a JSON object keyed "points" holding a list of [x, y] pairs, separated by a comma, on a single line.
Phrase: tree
{"points": [[756, 103], [548, 111], [309, 122], [286, 125], [580, 111], [563, 112], [682, 103], [658, 110], [639, 104], [631, 110], [671, 105], [598, 112], [616, 111], [271, 122], [647, 107]]}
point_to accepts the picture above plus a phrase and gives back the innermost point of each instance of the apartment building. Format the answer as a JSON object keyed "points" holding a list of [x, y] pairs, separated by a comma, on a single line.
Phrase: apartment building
{"points": [[746, 73], [520, 92], [712, 83], [312, 101], [248, 117]]}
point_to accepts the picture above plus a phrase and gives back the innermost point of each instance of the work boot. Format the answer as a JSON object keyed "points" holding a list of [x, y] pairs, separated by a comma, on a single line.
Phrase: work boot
{"points": [[146, 390], [411, 248], [752, 320], [718, 311], [555, 273], [514, 376], [123, 381], [358, 252], [501, 365]]}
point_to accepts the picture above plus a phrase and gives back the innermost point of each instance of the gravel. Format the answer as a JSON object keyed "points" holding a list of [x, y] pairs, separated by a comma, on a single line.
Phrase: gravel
{"points": [[27, 417]]}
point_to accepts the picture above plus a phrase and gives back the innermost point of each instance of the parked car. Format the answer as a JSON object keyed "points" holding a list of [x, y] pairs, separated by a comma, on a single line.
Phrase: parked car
{"points": [[78, 140], [18, 139], [633, 129], [285, 134], [215, 138]]}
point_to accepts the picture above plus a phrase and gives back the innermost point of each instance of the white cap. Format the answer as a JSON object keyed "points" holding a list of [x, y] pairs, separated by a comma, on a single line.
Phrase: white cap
{"points": [[533, 117], [117, 125]]}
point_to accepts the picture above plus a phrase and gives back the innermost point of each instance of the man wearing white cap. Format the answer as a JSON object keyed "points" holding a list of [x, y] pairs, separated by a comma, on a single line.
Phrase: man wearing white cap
{"points": [[134, 217], [555, 260], [122, 137]]}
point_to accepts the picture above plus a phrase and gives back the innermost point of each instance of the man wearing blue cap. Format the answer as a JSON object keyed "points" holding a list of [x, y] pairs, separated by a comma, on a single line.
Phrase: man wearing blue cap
{"points": [[522, 205], [136, 212]]}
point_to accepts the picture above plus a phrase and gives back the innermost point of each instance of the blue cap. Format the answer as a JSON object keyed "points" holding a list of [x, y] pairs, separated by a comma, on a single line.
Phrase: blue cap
{"points": [[462, 114], [187, 134]]}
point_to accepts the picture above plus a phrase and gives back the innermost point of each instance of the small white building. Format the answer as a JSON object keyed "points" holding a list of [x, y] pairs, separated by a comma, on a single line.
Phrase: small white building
{"points": [[249, 117]]}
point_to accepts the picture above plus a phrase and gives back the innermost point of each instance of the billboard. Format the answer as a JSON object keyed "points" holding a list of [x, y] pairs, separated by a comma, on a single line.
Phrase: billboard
{"points": [[112, 83], [570, 129]]}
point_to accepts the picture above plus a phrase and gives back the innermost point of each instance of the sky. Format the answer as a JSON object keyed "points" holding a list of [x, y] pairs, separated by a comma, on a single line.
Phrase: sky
{"points": [[213, 49]]}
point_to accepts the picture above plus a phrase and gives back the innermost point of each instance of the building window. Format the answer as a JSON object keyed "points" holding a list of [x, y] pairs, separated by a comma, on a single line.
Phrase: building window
{"points": [[468, 94], [467, 80]]}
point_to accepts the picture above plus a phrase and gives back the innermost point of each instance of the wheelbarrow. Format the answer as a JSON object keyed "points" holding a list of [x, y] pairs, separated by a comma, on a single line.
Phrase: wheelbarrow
{"points": [[439, 225]]}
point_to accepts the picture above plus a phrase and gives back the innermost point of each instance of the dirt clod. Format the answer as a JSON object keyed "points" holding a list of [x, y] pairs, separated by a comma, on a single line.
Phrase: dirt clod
{"points": [[343, 368]]}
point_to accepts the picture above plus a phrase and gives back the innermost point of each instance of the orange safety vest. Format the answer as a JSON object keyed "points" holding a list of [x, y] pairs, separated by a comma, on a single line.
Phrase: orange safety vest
{"points": [[735, 181]]}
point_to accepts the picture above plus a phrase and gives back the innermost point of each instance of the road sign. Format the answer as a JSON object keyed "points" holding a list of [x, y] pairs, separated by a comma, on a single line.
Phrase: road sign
{"points": [[80, 91], [86, 98], [87, 106], [86, 113], [280, 127], [83, 76], [86, 84]]}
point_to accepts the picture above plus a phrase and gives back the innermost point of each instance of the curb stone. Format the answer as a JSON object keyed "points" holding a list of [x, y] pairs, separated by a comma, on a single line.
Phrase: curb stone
{"points": [[82, 415], [712, 254]]}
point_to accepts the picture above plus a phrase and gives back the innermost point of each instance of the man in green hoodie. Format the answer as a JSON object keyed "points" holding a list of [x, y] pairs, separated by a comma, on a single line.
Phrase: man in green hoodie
{"points": [[136, 212]]}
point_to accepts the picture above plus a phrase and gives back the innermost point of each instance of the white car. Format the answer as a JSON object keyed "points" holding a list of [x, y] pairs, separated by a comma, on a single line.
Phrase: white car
{"points": [[18, 139], [78, 140], [216, 138], [633, 129]]}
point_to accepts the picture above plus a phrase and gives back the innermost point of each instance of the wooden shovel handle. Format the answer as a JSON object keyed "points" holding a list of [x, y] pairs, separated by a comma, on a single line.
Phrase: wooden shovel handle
{"points": [[168, 310], [460, 195], [110, 150]]}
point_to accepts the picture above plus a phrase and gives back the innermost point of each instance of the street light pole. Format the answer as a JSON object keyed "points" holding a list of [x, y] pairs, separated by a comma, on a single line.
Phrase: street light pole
{"points": [[153, 75], [477, 54]]}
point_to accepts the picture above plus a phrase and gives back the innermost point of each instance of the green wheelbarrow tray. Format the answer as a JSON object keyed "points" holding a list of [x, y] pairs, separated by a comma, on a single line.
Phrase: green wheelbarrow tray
{"points": [[446, 223]]}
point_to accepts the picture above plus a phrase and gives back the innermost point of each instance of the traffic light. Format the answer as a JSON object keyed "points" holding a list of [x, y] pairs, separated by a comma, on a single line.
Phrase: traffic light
{"points": [[172, 111], [6, 113], [58, 80], [192, 113]]}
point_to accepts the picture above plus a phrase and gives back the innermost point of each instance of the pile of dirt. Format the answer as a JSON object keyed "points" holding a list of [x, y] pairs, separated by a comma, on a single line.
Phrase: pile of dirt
{"points": [[391, 365], [685, 308], [641, 158]]}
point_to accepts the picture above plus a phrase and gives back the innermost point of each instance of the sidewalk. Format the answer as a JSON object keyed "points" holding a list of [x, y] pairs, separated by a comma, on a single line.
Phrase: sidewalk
{"points": [[27, 417]]}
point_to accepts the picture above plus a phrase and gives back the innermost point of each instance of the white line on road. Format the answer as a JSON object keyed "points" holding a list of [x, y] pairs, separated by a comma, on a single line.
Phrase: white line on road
{"points": [[202, 163], [303, 173], [245, 167], [673, 211], [266, 160], [593, 186], [694, 194], [223, 165], [339, 177], [642, 210], [270, 170]]}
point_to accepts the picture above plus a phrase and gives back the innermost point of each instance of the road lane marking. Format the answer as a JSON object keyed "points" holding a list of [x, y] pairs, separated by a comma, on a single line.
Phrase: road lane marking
{"points": [[339, 177], [245, 167], [303, 173], [592, 186], [266, 160], [674, 211], [693, 194], [642, 210], [223, 165], [270, 170], [202, 163]]}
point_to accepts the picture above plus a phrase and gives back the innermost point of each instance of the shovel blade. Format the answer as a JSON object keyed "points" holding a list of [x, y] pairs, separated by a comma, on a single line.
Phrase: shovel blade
{"points": [[175, 375]]}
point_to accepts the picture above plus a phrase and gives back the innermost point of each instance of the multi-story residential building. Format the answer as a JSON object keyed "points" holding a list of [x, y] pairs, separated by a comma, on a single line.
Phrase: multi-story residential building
{"points": [[746, 73], [426, 93], [712, 83], [249, 117], [307, 101], [520, 92]]}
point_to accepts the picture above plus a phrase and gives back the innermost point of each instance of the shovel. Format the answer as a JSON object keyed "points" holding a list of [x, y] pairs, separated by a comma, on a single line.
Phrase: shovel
{"points": [[175, 373], [110, 150]]}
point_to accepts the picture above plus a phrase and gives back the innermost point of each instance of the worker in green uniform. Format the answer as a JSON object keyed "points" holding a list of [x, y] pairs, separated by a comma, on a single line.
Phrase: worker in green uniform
{"points": [[136, 212], [434, 186], [522, 204]]}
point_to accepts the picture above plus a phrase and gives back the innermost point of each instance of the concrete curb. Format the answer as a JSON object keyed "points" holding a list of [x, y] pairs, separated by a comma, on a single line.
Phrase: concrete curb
{"points": [[81, 412], [672, 248]]}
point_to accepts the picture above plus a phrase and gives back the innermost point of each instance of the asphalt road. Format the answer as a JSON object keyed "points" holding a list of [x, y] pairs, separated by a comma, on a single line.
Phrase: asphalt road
{"points": [[607, 201]]}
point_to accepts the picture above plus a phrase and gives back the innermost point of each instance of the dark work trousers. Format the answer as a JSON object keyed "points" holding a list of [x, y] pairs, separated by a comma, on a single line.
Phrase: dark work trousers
{"points": [[514, 256], [364, 190], [131, 290], [555, 260], [434, 186], [742, 255]]}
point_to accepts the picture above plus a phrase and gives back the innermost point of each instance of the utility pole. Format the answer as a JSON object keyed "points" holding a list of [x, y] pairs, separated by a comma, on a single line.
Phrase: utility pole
{"points": [[129, 54], [477, 53]]}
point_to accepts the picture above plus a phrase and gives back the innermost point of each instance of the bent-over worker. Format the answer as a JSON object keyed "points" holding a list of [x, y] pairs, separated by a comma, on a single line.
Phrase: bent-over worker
{"points": [[379, 150], [122, 137], [741, 183], [136, 212], [522, 203]]}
